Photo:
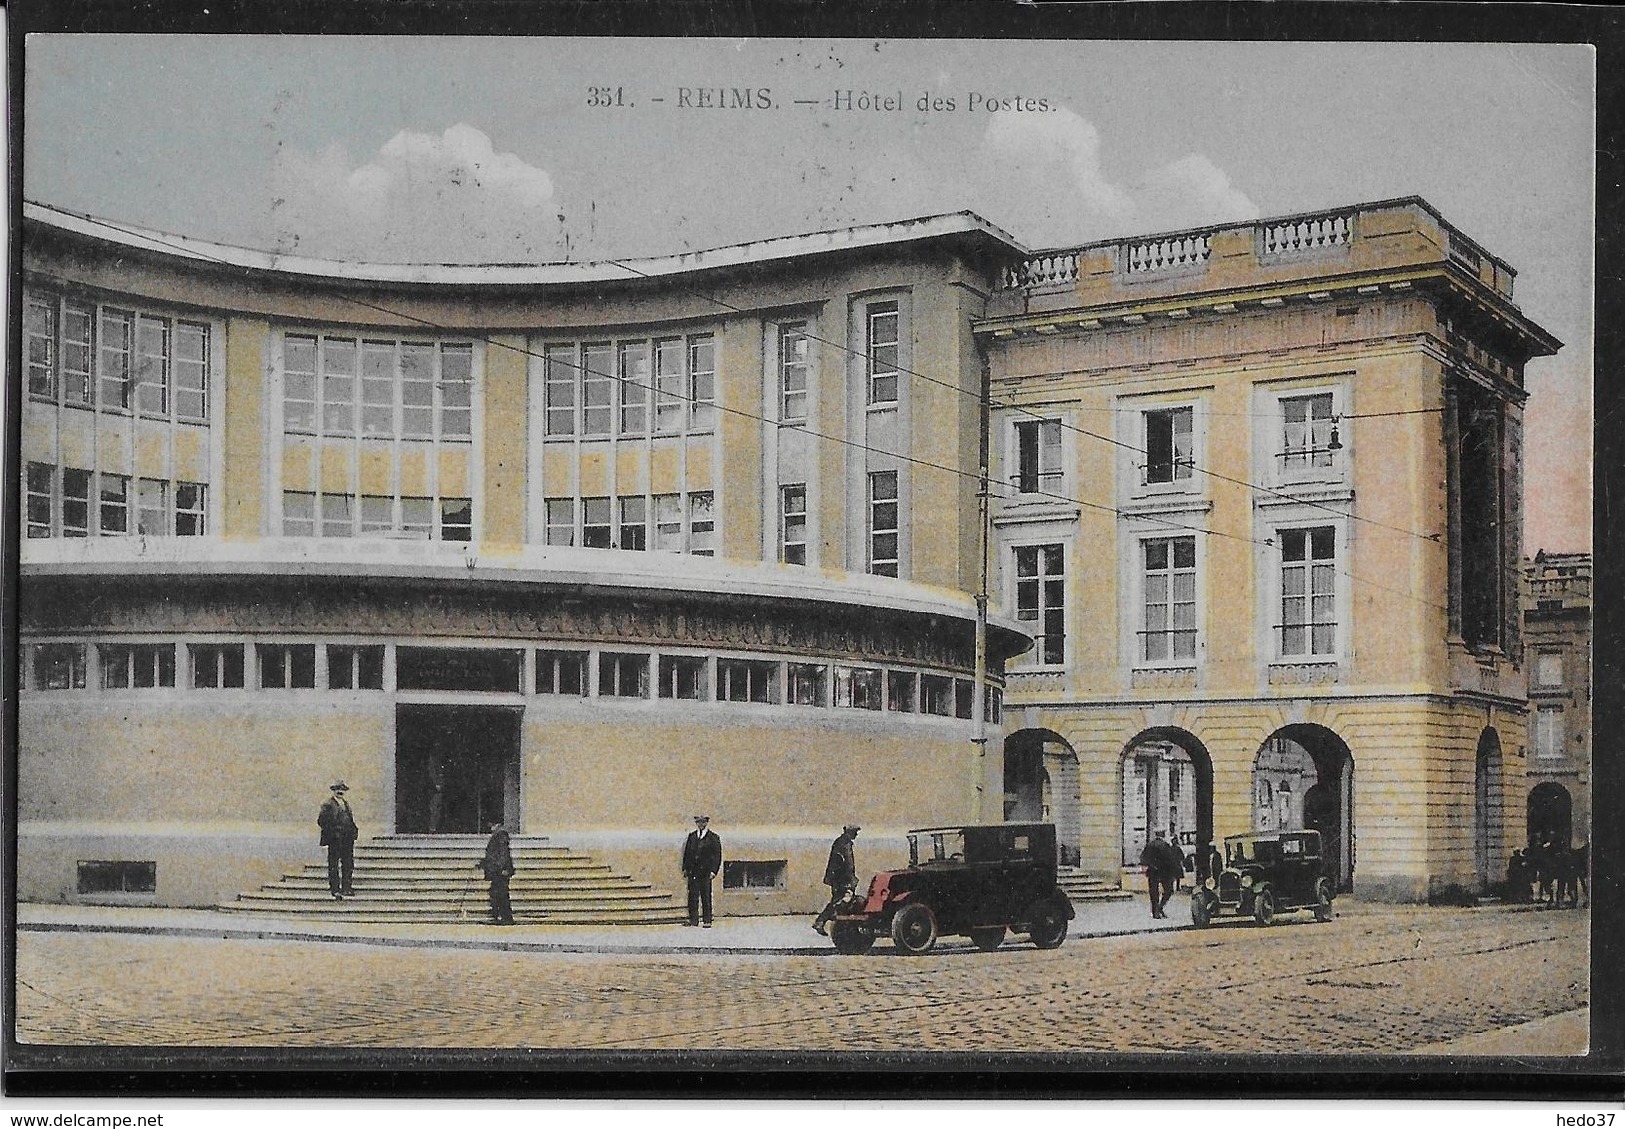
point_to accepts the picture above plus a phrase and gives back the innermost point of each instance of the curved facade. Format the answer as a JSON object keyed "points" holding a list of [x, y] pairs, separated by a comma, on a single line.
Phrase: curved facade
{"points": [[588, 548]]}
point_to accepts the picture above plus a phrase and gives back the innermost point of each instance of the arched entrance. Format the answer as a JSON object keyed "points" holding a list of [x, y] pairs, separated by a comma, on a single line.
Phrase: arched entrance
{"points": [[1041, 786], [1489, 820], [1551, 815], [1303, 779], [1167, 785]]}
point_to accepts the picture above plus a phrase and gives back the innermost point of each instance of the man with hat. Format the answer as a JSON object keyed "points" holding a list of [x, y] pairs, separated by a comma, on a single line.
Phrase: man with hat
{"points": [[498, 868], [339, 831], [702, 858], [840, 875]]}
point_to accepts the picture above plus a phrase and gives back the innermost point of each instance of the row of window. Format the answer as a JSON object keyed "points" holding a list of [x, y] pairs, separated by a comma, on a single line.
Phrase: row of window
{"points": [[72, 502], [680, 523], [89, 355], [1307, 625], [1167, 437], [310, 514], [567, 673], [340, 387], [595, 389]]}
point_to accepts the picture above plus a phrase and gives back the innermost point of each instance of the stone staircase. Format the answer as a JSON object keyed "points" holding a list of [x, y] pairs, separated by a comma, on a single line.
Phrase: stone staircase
{"points": [[432, 878], [1081, 887]]}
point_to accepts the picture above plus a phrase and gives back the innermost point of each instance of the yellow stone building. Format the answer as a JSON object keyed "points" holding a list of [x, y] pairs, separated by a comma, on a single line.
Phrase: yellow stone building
{"points": [[1259, 497], [593, 547]]}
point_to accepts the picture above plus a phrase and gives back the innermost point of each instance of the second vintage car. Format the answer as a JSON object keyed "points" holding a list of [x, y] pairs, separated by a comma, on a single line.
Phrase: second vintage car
{"points": [[1265, 874], [978, 882]]}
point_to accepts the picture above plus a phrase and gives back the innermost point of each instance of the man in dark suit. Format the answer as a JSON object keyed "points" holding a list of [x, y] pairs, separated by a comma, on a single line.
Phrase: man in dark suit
{"points": [[339, 832], [702, 858], [498, 867], [840, 874]]}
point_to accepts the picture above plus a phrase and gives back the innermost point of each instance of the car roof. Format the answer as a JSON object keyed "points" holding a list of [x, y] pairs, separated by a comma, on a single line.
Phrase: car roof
{"points": [[1266, 836], [978, 827]]}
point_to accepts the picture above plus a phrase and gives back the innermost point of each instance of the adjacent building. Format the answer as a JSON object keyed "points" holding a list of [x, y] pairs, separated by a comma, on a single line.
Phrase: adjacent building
{"points": [[1557, 649], [591, 548]]}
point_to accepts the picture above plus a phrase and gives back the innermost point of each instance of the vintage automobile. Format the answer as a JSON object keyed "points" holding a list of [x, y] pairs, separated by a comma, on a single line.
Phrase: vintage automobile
{"points": [[1265, 874], [976, 882]]}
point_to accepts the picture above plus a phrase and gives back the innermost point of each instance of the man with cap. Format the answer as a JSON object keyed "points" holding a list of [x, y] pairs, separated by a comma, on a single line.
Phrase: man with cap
{"points": [[840, 875], [702, 858], [339, 831]]}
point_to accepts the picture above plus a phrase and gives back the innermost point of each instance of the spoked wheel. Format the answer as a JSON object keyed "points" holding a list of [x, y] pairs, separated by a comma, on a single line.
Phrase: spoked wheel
{"points": [[850, 938], [914, 929], [987, 939], [1201, 909], [1264, 907], [1048, 926], [1323, 900]]}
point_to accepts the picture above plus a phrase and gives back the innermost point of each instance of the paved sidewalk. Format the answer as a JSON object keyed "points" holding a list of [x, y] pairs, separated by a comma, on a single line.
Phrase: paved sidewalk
{"points": [[765, 935], [1566, 1034]]}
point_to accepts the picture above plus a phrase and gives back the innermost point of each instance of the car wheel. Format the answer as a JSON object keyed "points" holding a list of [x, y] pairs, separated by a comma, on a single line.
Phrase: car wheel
{"points": [[988, 938], [1264, 907], [850, 938], [914, 929], [1201, 909], [1323, 900], [1047, 928]]}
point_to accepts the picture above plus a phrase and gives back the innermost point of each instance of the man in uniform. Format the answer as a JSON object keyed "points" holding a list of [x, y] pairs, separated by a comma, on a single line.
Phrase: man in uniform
{"points": [[840, 875]]}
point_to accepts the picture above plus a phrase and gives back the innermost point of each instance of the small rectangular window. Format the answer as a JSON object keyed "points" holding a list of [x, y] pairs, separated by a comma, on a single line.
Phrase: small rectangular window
{"points": [[1306, 423], [456, 391], [561, 672], [595, 523], [1308, 591], [338, 386], [747, 680], [882, 353], [683, 676], [191, 374], [78, 351], [747, 875], [417, 390], [883, 523], [634, 524], [702, 529], [668, 523], [39, 345], [75, 502], [635, 388], [298, 513], [561, 521], [217, 666], [1549, 734], [352, 667], [117, 349], [118, 877], [191, 506], [1168, 445], [559, 386], [417, 518], [152, 365], [1169, 589], [806, 684], [964, 698], [152, 507], [377, 515], [378, 389], [793, 524], [299, 384], [113, 504], [671, 380], [859, 688], [902, 691], [338, 515], [40, 486], [59, 666], [623, 676], [937, 695], [793, 343], [597, 390], [139, 666], [702, 383], [287, 666], [456, 519], [1038, 456]]}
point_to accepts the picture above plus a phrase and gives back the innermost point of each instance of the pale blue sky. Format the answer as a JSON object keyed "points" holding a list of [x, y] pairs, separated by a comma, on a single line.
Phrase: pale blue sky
{"points": [[338, 147]]}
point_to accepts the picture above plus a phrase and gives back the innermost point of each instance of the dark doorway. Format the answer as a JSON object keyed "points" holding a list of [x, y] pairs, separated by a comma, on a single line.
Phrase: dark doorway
{"points": [[1320, 766], [456, 769], [1550, 815]]}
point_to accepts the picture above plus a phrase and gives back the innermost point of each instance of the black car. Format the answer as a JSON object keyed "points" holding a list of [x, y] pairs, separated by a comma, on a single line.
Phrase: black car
{"points": [[977, 882], [1266, 874]]}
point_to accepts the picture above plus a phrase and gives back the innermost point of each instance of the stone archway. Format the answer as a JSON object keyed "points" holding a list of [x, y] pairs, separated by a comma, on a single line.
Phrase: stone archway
{"points": [[1166, 784], [1489, 815], [1041, 785], [1550, 815], [1315, 769]]}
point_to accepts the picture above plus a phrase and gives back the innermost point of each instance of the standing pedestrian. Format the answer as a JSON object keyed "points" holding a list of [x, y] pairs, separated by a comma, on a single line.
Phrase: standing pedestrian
{"points": [[702, 858], [1155, 863], [840, 874], [1173, 871], [1209, 863], [339, 832], [498, 868]]}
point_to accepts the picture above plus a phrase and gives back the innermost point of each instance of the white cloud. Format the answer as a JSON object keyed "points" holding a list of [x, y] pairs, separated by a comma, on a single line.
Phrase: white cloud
{"points": [[1045, 175], [447, 197]]}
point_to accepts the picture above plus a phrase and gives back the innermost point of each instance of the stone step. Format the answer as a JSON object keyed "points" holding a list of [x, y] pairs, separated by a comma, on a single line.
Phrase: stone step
{"points": [[444, 901], [348, 912], [450, 866], [524, 880]]}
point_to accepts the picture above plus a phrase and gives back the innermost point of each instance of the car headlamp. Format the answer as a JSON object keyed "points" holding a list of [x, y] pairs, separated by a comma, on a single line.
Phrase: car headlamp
{"points": [[1246, 880]]}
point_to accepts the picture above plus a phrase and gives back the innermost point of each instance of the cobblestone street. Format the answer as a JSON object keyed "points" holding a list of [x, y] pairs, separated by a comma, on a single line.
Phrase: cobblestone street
{"points": [[1382, 980]]}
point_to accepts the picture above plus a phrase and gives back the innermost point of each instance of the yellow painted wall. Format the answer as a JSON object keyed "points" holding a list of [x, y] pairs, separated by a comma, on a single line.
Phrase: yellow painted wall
{"points": [[504, 398], [739, 370], [243, 442]]}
